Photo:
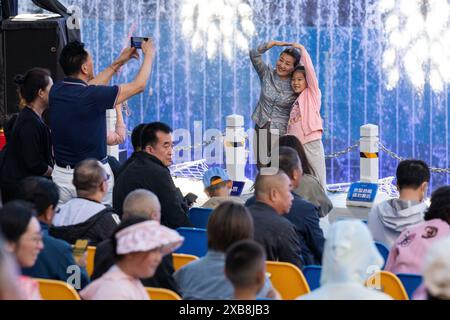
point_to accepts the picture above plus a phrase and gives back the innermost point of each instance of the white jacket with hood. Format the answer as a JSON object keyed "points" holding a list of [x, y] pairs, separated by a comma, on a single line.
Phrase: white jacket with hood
{"points": [[389, 218], [349, 258]]}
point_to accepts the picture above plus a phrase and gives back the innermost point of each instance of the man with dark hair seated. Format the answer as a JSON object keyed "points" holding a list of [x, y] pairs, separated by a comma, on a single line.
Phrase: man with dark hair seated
{"points": [[302, 214], [389, 218], [86, 217], [245, 267], [78, 106], [56, 257], [150, 171]]}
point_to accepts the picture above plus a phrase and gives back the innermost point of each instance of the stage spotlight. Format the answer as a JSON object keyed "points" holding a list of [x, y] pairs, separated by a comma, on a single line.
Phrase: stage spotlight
{"points": [[217, 24], [417, 36]]}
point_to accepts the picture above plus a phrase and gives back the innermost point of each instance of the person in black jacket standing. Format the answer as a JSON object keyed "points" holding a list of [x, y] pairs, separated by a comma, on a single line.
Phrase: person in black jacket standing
{"points": [[150, 171], [29, 151]]}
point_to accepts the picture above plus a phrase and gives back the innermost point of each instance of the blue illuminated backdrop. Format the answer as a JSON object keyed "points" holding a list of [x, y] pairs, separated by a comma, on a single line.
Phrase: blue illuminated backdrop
{"points": [[345, 40]]}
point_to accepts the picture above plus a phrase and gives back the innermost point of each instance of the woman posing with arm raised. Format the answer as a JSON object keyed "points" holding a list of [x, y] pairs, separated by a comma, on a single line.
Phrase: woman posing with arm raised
{"points": [[276, 99]]}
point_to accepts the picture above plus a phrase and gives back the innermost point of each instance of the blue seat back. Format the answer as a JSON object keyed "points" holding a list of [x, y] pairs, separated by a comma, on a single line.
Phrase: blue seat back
{"points": [[199, 217], [383, 250], [195, 241], [312, 275], [411, 282]]}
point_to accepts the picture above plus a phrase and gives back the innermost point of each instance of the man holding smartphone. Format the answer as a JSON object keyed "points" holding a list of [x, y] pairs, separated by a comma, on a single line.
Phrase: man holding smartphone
{"points": [[78, 107]]}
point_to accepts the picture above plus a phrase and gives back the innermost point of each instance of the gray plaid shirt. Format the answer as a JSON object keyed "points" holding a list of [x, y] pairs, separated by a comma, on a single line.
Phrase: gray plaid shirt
{"points": [[277, 97]]}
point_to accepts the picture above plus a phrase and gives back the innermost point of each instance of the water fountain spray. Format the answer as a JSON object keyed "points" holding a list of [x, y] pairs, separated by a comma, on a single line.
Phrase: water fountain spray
{"points": [[217, 24], [418, 41]]}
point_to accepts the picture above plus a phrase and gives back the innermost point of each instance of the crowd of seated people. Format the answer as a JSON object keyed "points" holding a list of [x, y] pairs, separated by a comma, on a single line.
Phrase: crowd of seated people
{"points": [[229, 223], [131, 214]]}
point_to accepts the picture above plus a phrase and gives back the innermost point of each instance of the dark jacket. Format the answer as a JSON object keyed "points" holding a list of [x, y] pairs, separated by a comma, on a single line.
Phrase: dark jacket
{"points": [[305, 217], [104, 259], [126, 164], [276, 234], [29, 151], [147, 172], [53, 261], [96, 229]]}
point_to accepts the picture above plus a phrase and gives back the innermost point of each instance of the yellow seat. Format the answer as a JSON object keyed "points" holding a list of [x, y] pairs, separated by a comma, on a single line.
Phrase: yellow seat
{"points": [[162, 294], [56, 290], [90, 260], [389, 283], [181, 259], [287, 279]]}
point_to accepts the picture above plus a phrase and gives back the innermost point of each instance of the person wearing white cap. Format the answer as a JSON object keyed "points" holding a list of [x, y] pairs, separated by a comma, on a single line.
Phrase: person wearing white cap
{"points": [[349, 257], [140, 245], [218, 187]]}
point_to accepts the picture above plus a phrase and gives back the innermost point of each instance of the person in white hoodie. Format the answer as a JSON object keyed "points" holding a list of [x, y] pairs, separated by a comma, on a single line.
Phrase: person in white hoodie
{"points": [[389, 218], [349, 258]]}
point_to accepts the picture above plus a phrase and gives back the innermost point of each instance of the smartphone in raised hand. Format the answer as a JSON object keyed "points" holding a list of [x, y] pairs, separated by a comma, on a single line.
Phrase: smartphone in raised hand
{"points": [[136, 42]]}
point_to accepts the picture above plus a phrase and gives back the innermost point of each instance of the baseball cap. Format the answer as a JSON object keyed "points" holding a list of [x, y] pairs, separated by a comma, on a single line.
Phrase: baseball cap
{"points": [[215, 172]]}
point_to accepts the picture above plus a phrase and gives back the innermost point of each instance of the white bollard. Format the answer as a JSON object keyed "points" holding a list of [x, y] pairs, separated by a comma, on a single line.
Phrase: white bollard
{"points": [[235, 154], [369, 163], [111, 119]]}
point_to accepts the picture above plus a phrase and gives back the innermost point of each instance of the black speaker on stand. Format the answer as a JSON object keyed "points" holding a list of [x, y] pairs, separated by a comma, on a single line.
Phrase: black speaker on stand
{"points": [[29, 44]]}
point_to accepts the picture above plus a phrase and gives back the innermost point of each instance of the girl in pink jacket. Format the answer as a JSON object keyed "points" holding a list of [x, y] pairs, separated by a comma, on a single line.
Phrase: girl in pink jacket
{"points": [[305, 121]]}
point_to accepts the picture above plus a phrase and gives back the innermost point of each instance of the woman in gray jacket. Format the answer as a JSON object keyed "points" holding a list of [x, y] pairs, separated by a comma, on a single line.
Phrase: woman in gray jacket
{"points": [[277, 97]]}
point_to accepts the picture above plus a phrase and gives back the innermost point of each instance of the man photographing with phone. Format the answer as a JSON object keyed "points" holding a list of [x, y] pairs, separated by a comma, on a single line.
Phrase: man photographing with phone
{"points": [[78, 107]]}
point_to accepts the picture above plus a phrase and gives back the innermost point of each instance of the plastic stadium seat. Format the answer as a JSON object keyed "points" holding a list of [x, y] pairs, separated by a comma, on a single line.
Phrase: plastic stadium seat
{"points": [[162, 294], [383, 250], [199, 217], [411, 282], [195, 241], [90, 260], [287, 279], [388, 283], [312, 274], [181, 259], [56, 290]]}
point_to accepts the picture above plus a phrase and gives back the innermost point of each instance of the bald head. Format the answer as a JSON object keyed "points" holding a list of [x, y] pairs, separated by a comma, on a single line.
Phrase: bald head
{"points": [[89, 178], [265, 183], [275, 191], [142, 203]]}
